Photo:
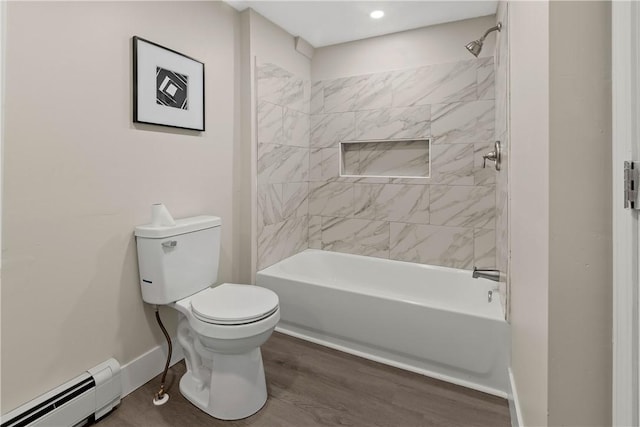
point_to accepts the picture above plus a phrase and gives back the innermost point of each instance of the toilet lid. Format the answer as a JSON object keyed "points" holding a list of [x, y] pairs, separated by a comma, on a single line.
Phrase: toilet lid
{"points": [[231, 304]]}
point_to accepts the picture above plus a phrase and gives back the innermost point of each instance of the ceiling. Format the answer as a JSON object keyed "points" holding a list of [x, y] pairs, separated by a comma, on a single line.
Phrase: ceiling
{"points": [[323, 22]]}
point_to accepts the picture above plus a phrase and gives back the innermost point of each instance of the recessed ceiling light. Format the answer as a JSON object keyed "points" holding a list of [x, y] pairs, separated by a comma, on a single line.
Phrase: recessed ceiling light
{"points": [[377, 14]]}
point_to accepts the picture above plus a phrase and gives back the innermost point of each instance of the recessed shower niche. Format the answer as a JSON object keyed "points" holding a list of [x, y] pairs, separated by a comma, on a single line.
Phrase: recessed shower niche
{"points": [[390, 158]]}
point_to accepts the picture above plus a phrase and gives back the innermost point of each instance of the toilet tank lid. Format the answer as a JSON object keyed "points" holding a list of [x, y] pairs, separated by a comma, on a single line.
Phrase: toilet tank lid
{"points": [[182, 226]]}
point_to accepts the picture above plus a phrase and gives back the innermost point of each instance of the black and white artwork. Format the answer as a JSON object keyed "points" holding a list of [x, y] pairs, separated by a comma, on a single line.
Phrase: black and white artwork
{"points": [[168, 87], [171, 89]]}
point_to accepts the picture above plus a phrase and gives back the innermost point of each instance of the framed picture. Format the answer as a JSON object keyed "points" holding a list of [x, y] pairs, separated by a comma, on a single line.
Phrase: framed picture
{"points": [[168, 87]]}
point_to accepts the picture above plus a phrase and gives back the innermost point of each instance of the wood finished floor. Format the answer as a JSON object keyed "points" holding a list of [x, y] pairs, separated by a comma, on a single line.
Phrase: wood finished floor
{"points": [[311, 385]]}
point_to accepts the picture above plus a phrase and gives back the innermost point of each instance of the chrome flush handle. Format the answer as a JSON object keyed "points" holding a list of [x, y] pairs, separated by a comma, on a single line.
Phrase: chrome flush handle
{"points": [[170, 244]]}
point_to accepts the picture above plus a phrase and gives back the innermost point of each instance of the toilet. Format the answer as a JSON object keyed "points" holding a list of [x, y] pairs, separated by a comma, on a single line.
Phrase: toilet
{"points": [[220, 328]]}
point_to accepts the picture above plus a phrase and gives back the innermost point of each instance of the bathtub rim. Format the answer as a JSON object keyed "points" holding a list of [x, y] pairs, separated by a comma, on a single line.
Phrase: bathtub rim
{"points": [[377, 259], [498, 314], [499, 317]]}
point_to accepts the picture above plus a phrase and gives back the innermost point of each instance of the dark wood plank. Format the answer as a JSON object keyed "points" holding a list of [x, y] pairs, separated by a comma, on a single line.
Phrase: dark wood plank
{"points": [[311, 385]]}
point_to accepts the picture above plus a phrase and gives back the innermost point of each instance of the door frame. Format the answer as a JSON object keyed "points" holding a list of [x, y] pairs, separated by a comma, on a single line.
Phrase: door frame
{"points": [[626, 330]]}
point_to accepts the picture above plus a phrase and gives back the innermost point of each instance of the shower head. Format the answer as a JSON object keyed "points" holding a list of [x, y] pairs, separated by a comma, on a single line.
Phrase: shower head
{"points": [[476, 46]]}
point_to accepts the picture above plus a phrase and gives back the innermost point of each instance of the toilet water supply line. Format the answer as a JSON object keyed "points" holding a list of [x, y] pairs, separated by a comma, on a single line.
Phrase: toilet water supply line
{"points": [[161, 396]]}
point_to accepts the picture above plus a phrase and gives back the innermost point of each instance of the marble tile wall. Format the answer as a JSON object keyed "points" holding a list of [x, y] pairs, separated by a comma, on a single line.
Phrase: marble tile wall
{"points": [[502, 134], [283, 131], [447, 219]]}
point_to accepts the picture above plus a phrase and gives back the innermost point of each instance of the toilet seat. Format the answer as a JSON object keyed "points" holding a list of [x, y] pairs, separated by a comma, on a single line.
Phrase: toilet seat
{"points": [[233, 304]]}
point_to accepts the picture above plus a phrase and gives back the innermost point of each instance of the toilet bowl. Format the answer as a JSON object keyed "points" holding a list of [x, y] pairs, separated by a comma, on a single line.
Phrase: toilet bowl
{"points": [[221, 328]]}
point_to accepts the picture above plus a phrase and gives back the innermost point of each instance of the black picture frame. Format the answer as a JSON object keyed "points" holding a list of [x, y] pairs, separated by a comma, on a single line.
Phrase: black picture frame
{"points": [[168, 87]]}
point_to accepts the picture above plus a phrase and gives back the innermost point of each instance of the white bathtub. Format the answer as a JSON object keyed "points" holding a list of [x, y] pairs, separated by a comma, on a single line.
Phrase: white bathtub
{"points": [[436, 321]]}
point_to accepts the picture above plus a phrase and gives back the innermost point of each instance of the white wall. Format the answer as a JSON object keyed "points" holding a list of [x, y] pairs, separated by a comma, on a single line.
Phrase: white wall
{"points": [[3, 40], [270, 43], [409, 49], [245, 171], [580, 267], [502, 134], [79, 176], [560, 222], [528, 28]]}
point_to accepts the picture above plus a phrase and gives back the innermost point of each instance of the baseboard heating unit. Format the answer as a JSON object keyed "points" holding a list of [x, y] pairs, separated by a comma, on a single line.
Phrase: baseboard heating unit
{"points": [[88, 397]]}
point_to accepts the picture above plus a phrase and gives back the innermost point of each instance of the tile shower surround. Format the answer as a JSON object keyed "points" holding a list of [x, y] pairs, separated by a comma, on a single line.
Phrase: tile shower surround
{"points": [[283, 164], [447, 219]]}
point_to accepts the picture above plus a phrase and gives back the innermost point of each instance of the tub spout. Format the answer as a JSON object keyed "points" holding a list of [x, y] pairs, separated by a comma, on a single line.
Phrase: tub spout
{"points": [[486, 273]]}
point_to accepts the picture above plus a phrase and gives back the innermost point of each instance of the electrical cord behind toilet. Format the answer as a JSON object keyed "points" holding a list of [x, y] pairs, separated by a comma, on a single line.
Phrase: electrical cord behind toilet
{"points": [[161, 396]]}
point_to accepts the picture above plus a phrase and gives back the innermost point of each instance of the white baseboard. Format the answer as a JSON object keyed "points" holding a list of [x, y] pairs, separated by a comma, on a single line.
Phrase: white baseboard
{"points": [[142, 369], [514, 403]]}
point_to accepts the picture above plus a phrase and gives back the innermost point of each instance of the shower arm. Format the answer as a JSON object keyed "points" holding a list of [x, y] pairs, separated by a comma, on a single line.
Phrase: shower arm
{"points": [[490, 30]]}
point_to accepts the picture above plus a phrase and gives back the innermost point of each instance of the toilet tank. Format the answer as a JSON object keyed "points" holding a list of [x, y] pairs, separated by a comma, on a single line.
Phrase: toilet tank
{"points": [[178, 260]]}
